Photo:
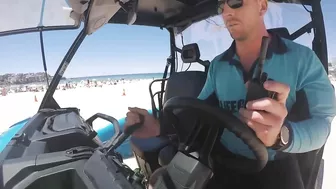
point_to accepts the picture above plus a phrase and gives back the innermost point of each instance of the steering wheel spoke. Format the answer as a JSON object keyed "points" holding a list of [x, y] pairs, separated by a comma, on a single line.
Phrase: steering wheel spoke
{"points": [[190, 140], [209, 143]]}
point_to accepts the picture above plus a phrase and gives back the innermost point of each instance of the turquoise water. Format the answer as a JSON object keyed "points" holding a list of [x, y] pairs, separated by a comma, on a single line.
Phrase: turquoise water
{"points": [[106, 77], [117, 77]]}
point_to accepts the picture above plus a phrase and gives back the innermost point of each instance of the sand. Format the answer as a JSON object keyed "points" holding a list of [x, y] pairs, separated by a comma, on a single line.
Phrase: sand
{"points": [[109, 100]]}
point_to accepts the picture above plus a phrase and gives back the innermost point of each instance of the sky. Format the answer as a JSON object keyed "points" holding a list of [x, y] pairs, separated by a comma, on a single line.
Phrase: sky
{"points": [[122, 49]]}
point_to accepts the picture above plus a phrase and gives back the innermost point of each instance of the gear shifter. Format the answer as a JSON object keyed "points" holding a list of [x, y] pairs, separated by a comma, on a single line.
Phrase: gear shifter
{"points": [[122, 137], [256, 88]]}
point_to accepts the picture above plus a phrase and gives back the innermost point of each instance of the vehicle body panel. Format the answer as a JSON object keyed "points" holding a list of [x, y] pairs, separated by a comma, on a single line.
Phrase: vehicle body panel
{"points": [[104, 134]]}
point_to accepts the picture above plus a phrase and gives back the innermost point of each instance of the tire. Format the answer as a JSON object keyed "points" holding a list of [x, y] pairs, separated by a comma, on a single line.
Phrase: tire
{"points": [[319, 179]]}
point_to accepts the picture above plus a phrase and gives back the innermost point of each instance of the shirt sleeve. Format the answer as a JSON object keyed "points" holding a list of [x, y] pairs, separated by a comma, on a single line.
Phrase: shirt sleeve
{"points": [[209, 86], [312, 133]]}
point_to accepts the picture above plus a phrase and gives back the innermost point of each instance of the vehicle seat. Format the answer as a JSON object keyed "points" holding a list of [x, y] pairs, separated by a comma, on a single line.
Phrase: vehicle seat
{"points": [[189, 84], [146, 151]]}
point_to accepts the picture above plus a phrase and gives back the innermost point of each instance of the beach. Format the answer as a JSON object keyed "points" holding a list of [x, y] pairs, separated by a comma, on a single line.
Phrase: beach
{"points": [[114, 100], [107, 99]]}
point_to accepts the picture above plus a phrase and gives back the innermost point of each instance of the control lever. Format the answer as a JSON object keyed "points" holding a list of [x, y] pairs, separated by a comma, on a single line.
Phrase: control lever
{"points": [[255, 89], [123, 136]]}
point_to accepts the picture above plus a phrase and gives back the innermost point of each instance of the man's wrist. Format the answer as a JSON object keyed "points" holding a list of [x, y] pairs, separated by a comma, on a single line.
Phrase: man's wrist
{"points": [[285, 137]]}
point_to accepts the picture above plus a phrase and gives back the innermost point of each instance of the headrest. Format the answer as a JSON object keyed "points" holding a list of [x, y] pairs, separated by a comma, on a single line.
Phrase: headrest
{"points": [[190, 53], [282, 32]]}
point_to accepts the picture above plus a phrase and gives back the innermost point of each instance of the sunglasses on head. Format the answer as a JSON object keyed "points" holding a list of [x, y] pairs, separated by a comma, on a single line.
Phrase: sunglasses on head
{"points": [[234, 4]]}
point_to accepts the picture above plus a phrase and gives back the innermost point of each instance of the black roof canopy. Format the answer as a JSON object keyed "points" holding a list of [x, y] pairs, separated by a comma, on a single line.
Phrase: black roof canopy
{"points": [[177, 13]]}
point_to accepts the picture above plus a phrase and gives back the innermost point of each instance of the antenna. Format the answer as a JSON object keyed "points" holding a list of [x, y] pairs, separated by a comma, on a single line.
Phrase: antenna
{"points": [[262, 56]]}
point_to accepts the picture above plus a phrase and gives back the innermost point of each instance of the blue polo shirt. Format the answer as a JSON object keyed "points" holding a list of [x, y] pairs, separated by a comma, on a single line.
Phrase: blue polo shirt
{"points": [[287, 62]]}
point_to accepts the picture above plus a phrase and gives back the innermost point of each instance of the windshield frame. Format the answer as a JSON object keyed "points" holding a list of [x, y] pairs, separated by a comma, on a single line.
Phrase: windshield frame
{"points": [[39, 28]]}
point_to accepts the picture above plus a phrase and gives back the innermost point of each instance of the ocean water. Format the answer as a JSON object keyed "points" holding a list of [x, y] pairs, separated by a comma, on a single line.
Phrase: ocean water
{"points": [[103, 78], [117, 77]]}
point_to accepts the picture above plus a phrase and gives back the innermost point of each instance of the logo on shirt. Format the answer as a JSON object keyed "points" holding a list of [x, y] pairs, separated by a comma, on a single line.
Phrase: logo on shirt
{"points": [[233, 105]]}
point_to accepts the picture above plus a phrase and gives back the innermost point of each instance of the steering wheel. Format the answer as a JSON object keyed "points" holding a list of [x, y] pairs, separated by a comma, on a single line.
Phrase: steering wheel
{"points": [[211, 114]]}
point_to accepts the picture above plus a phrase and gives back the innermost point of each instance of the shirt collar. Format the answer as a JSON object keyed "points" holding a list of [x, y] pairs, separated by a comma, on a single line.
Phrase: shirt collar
{"points": [[276, 46]]}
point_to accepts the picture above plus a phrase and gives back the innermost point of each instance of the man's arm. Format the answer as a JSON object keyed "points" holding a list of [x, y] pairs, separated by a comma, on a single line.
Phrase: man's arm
{"points": [[312, 133], [208, 92], [208, 87]]}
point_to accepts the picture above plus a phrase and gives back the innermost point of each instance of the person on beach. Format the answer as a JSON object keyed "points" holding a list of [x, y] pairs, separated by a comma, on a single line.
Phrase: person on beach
{"points": [[293, 68]]}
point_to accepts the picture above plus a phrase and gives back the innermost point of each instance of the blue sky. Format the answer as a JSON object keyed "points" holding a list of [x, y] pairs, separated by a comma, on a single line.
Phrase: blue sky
{"points": [[121, 49]]}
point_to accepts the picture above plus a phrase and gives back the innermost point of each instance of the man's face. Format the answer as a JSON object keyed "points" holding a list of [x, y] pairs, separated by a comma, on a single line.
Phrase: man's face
{"points": [[243, 20]]}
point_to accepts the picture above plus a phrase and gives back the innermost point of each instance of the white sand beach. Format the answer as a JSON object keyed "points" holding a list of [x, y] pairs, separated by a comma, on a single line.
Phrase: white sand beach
{"points": [[109, 100]]}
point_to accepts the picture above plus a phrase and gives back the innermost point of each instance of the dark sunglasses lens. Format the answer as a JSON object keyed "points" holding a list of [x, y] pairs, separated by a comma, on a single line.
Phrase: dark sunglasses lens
{"points": [[235, 4]]}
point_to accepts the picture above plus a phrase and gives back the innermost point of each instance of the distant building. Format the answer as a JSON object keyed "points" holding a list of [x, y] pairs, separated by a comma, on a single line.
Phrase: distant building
{"points": [[333, 61], [332, 66]]}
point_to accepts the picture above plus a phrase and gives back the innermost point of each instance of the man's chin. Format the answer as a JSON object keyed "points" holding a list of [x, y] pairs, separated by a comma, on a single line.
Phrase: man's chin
{"points": [[237, 37]]}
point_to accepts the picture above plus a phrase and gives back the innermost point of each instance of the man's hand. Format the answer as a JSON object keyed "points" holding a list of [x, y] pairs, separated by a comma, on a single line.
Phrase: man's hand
{"points": [[266, 116], [150, 128]]}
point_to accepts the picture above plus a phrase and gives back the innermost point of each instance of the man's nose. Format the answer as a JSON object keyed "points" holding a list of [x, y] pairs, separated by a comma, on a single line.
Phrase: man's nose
{"points": [[227, 11]]}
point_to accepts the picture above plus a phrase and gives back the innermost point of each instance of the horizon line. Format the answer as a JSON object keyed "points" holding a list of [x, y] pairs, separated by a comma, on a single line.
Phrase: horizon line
{"points": [[76, 77], [72, 77]]}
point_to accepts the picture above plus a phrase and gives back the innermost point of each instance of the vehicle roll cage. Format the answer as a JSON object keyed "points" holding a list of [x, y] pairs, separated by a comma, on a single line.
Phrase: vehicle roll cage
{"points": [[319, 45], [175, 25]]}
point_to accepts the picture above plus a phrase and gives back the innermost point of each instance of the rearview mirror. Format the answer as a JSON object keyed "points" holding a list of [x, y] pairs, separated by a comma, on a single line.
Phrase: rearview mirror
{"points": [[190, 53], [132, 13], [34, 15]]}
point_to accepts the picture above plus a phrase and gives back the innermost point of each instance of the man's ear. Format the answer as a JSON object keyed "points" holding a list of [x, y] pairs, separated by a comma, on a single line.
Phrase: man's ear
{"points": [[263, 7]]}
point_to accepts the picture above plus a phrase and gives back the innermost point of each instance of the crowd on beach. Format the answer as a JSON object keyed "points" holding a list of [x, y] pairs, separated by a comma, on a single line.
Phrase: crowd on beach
{"points": [[89, 84], [66, 85]]}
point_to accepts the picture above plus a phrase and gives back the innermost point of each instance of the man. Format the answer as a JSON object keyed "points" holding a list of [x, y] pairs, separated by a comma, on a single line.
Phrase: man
{"points": [[293, 68]]}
